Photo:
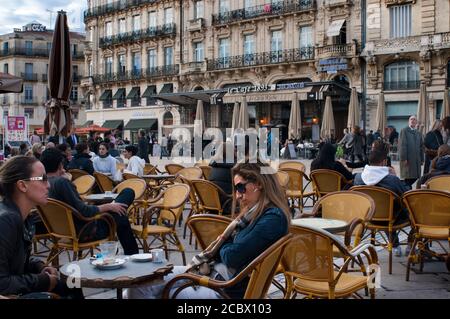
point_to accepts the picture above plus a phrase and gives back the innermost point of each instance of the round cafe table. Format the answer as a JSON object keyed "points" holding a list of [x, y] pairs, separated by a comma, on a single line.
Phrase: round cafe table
{"points": [[331, 225], [131, 274], [100, 198]]}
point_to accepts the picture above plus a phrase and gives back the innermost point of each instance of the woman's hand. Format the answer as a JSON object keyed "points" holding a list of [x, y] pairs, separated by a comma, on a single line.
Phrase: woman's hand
{"points": [[50, 271]]}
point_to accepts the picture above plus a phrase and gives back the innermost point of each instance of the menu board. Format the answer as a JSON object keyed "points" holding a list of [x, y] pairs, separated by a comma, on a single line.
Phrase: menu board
{"points": [[16, 128]]}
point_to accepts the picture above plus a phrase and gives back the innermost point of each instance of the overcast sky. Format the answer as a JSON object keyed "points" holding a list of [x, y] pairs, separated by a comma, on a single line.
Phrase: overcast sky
{"points": [[17, 13]]}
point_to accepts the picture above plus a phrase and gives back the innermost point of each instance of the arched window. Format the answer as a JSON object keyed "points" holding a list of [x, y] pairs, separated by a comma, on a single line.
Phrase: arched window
{"points": [[168, 118], [342, 79], [402, 75]]}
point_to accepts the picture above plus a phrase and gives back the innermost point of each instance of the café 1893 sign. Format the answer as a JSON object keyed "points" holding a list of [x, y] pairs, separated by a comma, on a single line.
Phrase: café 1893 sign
{"points": [[265, 88], [332, 65]]}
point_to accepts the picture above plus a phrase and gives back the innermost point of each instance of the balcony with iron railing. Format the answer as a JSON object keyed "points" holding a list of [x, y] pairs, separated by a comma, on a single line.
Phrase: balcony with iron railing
{"points": [[32, 77], [401, 85], [115, 7], [44, 77], [264, 58], [166, 30], [139, 74], [337, 50], [75, 78], [31, 52], [32, 101], [265, 10]]}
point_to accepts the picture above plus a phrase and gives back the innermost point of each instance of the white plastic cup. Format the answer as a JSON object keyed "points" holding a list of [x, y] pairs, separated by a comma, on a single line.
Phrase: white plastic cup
{"points": [[157, 255], [108, 250]]}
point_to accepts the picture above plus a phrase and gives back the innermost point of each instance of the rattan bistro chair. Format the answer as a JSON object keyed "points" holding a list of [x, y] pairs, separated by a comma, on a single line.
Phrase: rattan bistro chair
{"points": [[261, 271], [104, 182], [209, 196], [296, 189], [439, 183], [283, 179], [429, 211], [386, 201], [297, 165], [58, 218], [207, 227], [84, 184], [189, 173], [166, 211], [326, 181], [172, 169], [75, 172], [138, 185], [309, 268]]}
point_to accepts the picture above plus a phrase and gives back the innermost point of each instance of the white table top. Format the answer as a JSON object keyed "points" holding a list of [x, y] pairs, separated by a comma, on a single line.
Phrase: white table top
{"points": [[100, 197], [331, 225]]}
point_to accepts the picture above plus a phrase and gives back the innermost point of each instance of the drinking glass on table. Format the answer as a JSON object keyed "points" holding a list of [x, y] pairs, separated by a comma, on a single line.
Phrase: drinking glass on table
{"points": [[108, 250]]}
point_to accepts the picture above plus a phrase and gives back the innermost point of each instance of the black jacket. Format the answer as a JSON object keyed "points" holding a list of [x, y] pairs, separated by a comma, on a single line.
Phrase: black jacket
{"points": [[82, 161], [143, 149], [221, 176], [70, 142], [336, 166], [19, 273]]}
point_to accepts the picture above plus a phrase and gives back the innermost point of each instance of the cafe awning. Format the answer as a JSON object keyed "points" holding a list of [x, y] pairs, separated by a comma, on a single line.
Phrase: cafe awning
{"points": [[167, 88], [335, 28], [188, 98], [120, 94], [137, 124], [149, 92], [134, 93], [87, 123], [106, 95], [272, 96], [112, 124]]}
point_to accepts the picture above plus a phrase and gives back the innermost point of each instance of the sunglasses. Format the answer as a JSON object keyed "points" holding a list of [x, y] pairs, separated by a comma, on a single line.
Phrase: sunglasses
{"points": [[43, 178], [241, 187]]}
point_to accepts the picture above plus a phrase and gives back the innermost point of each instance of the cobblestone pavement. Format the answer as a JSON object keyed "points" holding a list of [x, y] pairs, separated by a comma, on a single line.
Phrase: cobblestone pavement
{"points": [[433, 283]]}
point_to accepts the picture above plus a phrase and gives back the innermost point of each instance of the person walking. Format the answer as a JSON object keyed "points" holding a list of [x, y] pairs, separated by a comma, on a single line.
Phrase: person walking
{"points": [[164, 151], [410, 152], [143, 146]]}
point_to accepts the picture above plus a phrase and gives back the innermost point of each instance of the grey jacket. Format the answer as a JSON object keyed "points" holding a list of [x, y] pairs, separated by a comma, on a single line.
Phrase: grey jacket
{"points": [[19, 273], [410, 148]]}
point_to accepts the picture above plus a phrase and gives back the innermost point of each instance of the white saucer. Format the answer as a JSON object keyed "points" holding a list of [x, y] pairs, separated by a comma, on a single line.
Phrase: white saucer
{"points": [[117, 263], [141, 257]]}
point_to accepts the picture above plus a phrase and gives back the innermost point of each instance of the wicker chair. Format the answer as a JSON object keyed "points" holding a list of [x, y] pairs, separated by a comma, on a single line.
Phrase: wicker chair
{"points": [[207, 227], [209, 196], [439, 183], [150, 169], [75, 173], [58, 218], [166, 210], [383, 218], [172, 169], [293, 165], [296, 190], [326, 181], [138, 185], [261, 271], [84, 185], [189, 173], [206, 169], [104, 182], [126, 176], [308, 264], [430, 219]]}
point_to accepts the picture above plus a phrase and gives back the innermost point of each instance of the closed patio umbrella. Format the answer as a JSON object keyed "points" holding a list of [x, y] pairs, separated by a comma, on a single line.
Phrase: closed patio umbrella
{"points": [[381, 114], [328, 127], [445, 105], [353, 110], [243, 122], [423, 117], [199, 124], [295, 122], [58, 120], [10, 83], [235, 119]]}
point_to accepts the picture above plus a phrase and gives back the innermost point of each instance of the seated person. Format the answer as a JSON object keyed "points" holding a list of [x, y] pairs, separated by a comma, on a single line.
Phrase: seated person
{"points": [[378, 174], [327, 160], [112, 150], [63, 190], [67, 153], [82, 159], [105, 163], [439, 166], [23, 186], [263, 219], [135, 163], [375, 144]]}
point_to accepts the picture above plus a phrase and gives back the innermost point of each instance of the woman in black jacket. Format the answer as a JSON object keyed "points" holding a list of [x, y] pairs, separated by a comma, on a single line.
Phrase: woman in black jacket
{"points": [[82, 159], [23, 185], [326, 160]]}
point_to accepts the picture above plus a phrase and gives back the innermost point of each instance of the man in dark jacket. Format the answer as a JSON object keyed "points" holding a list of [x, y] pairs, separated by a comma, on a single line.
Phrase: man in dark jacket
{"points": [[72, 139], [63, 190], [82, 159], [143, 146]]}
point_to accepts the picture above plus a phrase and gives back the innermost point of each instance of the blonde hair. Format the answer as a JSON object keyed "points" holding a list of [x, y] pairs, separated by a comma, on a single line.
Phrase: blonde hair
{"points": [[272, 194]]}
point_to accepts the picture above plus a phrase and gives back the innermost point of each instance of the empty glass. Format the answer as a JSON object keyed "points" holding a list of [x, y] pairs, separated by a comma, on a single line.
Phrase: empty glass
{"points": [[109, 250]]}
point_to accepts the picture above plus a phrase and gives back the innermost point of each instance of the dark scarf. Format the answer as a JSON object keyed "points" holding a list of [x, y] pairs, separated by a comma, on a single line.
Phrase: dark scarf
{"points": [[104, 156]]}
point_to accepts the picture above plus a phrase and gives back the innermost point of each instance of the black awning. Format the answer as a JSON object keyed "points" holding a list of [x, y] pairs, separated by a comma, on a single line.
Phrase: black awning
{"points": [[106, 95], [167, 88], [87, 123], [138, 124], [150, 91], [112, 124], [120, 94], [190, 98], [134, 93]]}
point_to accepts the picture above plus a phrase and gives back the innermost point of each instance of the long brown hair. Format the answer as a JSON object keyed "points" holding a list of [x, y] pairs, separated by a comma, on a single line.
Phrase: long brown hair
{"points": [[14, 170], [272, 194]]}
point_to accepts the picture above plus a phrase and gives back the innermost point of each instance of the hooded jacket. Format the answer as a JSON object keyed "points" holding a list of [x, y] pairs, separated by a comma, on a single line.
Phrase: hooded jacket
{"points": [[82, 161], [443, 164], [135, 166], [379, 176]]}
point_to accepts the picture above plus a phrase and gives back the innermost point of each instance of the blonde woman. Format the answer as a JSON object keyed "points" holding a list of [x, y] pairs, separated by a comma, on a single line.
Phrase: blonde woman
{"points": [[263, 218]]}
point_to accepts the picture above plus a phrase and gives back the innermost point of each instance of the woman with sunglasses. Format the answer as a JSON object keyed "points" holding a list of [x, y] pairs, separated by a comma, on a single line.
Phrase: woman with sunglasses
{"points": [[263, 218], [24, 185]]}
